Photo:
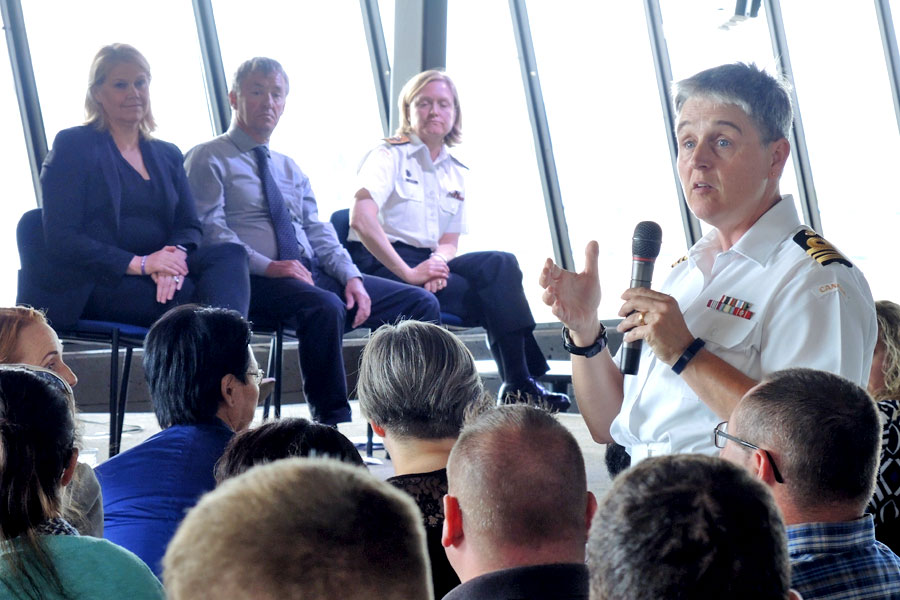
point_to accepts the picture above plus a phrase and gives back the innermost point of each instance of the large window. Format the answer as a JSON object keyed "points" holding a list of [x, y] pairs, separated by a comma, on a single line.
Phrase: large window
{"points": [[504, 198], [697, 40], [608, 134], [851, 131], [18, 191], [65, 36], [331, 119]]}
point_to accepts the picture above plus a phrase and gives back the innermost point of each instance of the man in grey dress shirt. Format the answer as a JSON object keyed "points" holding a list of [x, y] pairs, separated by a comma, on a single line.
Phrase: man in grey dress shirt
{"points": [[322, 294]]}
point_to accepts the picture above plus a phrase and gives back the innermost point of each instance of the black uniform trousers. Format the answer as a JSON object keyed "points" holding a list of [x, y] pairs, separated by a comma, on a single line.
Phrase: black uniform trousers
{"points": [[484, 289], [320, 316], [218, 275]]}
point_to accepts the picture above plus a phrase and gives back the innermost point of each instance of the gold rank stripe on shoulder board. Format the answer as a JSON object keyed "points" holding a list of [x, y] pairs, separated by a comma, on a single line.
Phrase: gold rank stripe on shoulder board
{"points": [[397, 140], [679, 261], [819, 249]]}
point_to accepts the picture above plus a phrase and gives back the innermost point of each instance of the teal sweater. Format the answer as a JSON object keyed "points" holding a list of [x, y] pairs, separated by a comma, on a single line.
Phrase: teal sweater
{"points": [[93, 568]]}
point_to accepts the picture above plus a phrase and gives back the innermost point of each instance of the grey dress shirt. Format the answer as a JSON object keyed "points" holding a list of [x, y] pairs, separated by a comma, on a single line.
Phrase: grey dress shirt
{"points": [[232, 206]]}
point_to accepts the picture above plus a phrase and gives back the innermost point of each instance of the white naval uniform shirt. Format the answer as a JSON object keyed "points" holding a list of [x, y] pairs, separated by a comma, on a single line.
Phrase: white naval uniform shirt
{"points": [[418, 199], [802, 314]]}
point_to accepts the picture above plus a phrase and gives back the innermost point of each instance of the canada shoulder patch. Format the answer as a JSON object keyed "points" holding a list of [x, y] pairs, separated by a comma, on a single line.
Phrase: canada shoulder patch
{"points": [[819, 249], [397, 140]]}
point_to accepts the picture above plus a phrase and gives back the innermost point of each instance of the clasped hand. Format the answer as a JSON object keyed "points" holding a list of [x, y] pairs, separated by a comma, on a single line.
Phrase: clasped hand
{"points": [[574, 298]]}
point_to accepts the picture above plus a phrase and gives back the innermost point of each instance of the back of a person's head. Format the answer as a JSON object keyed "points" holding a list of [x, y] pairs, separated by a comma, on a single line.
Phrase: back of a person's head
{"points": [[888, 316], [309, 528], [687, 526], [823, 431], [284, 438], [186, 354], [418, 380], [37, 445], [519, 477], [13, 320]]}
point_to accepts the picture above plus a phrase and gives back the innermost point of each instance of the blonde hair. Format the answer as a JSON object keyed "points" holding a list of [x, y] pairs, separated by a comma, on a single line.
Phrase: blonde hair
{"points": [[888, 315], [338, 532], [108, 57], [12, 321], [413, 88]]}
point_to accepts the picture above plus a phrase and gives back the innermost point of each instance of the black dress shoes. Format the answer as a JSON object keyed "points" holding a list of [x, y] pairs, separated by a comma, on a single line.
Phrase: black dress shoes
{"points": [[533, 393]]}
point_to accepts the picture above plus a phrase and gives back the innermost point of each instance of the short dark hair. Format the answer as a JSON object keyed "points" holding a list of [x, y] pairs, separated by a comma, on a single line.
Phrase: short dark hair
{"points": [[765, 99], [823, 430], [509, 501], [258, 64], [687, 526], [418, 380], [186, 354], [284, 438]]}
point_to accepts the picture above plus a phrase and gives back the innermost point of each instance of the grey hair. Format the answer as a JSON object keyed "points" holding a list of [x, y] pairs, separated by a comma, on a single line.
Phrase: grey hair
{"points": [[765, 99], [823, 430], [259, 64], [418, 380], [687, 526]]}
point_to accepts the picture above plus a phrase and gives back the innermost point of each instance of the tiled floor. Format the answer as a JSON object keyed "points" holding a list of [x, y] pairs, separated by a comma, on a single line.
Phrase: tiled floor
{"points": [[139, 426]]}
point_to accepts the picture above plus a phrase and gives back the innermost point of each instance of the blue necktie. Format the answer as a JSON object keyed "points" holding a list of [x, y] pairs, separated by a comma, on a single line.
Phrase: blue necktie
{"points": [[288, 248]]}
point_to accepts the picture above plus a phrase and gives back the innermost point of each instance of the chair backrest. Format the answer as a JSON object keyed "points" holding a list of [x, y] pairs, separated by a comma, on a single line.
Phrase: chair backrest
{"points": [[340, 219], [30, 240]]}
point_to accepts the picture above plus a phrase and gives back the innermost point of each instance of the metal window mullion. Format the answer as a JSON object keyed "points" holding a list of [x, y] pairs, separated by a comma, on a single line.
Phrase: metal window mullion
{"points": [[799, 149], [663, 68], [213, 68], [559, 231], [26, 89], [381, 65], [891, 56]]}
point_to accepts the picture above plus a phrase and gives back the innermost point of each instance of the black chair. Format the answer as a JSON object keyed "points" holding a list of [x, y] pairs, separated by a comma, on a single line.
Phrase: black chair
{"points": [[32, 254]]}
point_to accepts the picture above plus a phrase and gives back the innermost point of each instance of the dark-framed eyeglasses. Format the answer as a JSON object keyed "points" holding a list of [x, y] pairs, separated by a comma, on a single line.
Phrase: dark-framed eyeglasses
{"points": [[258, 374], [721, 435]]}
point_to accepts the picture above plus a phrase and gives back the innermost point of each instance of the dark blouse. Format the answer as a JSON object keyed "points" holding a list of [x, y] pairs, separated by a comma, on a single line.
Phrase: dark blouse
{"points": [[885, 504], [142, 223], [428, 490]]}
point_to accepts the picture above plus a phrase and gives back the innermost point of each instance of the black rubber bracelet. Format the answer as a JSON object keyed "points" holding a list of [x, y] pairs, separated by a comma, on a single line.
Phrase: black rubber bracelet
{"points": [[689, 353], [586, 351]]}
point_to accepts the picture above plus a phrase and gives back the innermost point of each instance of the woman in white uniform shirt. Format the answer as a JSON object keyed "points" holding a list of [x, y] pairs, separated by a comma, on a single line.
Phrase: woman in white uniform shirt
{"points": [[406, 222]]}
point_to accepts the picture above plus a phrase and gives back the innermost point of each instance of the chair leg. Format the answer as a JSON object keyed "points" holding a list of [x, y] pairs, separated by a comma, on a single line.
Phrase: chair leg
{"points": [[369, 443], [279, 351], [113, 394], [270, 370], [123, 396]]}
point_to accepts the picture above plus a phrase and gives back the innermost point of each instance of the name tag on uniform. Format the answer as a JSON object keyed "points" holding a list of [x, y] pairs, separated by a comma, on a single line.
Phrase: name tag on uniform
{"points": [[409, 178]]}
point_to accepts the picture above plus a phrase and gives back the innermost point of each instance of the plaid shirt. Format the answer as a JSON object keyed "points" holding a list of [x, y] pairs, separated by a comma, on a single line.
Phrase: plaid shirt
{"points": [[842, 561]]}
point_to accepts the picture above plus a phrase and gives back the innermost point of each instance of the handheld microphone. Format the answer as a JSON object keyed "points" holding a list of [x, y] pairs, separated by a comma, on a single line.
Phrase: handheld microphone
{"points": [[644, 250]]}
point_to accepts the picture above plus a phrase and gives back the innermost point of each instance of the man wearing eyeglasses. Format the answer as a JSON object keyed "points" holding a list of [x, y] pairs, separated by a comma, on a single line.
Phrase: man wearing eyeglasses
{"points": [[814, 439]]}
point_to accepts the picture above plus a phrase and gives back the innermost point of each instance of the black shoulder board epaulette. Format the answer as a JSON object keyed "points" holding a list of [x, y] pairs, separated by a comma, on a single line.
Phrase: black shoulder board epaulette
{"points": [[679, 261], [819, 249], [397, 140]]}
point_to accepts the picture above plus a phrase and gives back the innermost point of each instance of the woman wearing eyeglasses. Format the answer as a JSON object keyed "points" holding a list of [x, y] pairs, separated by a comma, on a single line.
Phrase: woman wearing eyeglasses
{"points": [[41, 554], [204, 385], [27, 338], [884, 387]]}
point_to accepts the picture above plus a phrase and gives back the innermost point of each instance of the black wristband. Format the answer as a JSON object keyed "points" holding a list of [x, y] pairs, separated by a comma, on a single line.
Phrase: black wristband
{"points": [[585, 351], [689, 353]]}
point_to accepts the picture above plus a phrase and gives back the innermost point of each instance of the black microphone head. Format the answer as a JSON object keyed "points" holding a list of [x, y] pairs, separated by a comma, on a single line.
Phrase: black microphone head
{"points": [[647, 240]]}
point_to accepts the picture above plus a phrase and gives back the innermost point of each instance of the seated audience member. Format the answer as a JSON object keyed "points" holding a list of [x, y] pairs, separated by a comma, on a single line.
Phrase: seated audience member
{"points": [[120, 225], [688, 526], [284, 438], [884, 386], [516, 520], [408, 214], [308, 528], [27, 338], [204, 384], [300, 274], [813, 438], [41, 554], [417, 382]]}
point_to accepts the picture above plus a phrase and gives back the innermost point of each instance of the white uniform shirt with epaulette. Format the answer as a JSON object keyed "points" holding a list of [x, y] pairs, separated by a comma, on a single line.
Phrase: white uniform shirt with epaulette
{"points": [[418, 199], [780, 297]]}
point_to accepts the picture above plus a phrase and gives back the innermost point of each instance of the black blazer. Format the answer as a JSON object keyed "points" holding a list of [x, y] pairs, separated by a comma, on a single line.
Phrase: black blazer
{"points": [[82, 203]]}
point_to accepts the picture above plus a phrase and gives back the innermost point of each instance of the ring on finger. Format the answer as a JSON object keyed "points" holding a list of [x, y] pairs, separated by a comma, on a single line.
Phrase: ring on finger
{"points": [[176, 279], [641, 318]]}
